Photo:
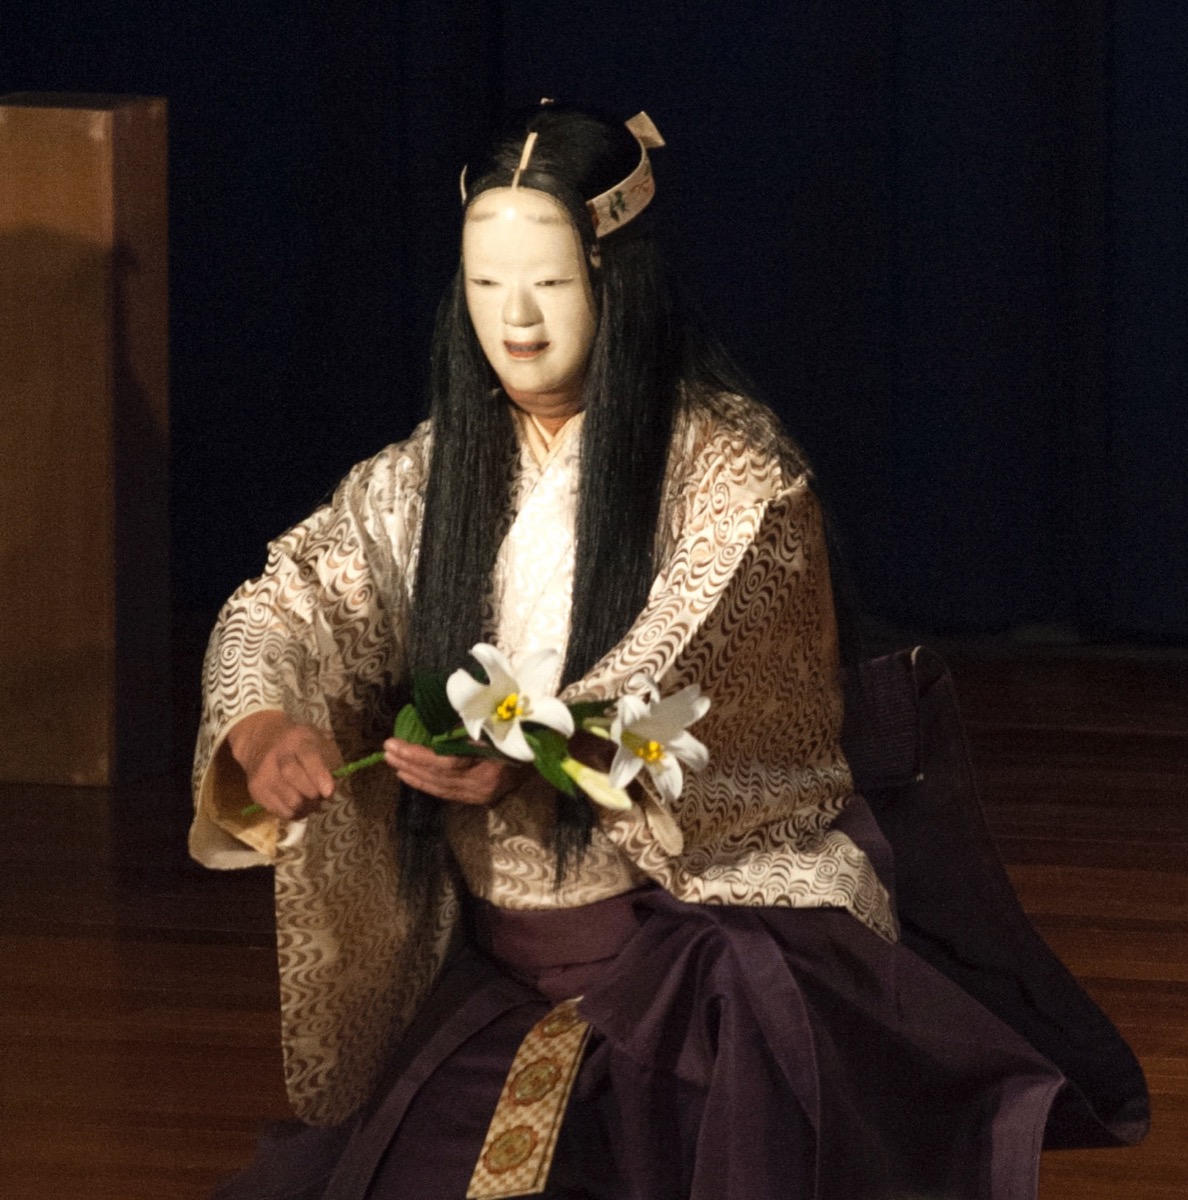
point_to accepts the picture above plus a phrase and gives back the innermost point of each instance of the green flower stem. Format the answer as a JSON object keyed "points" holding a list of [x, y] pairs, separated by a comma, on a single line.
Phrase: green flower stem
{"points": [[342, 772], [359, 764]]}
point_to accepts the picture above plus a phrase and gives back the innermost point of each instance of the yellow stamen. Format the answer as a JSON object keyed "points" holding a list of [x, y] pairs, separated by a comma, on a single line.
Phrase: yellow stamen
{"points": [[510, 707], [649, 751]]}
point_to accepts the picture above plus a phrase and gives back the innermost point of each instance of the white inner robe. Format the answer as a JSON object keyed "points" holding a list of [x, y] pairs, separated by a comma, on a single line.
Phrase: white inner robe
{"points": [[504, 849]]}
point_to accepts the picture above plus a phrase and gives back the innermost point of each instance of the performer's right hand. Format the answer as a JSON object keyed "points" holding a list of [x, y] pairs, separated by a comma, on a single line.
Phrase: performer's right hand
{"points": [[287, 765]]}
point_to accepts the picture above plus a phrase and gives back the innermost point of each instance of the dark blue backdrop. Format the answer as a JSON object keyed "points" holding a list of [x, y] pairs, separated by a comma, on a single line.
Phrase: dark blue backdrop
{"points": [[949, 241]]}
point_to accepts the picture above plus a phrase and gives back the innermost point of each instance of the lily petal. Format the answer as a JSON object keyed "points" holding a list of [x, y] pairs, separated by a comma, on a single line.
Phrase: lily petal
{"points": [[495, 663], [509, 739], [629, 712], [471, 700], [625, 767], [686, 706], [666, 775], [463, 689], [550, 712], [535, 674], [689, 750], [672, 715]]}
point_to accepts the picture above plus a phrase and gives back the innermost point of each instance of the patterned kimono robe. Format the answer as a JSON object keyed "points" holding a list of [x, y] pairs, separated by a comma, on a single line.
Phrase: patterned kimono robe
{"points": [[741, 605]]}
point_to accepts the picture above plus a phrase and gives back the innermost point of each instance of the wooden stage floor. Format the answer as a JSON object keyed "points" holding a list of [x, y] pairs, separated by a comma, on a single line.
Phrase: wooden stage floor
{"points": [[138, 1021]]}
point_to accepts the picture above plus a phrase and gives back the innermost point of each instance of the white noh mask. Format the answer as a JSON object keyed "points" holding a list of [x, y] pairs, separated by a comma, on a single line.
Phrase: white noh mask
{"points": [[529, 296]]}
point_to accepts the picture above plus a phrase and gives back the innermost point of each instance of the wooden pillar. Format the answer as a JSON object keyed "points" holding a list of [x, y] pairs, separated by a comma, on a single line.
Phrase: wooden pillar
{"points": [[84, 575]]}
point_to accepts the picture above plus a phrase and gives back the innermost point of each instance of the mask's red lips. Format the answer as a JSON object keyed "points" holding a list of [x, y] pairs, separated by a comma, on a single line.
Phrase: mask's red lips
{"points": [[525, 349]]}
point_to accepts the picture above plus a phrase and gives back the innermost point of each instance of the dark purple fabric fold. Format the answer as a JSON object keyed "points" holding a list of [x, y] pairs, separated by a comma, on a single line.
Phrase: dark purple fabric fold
{"points": [[737, 1054], [754, 1053], [905, 742], [815, 1051]]}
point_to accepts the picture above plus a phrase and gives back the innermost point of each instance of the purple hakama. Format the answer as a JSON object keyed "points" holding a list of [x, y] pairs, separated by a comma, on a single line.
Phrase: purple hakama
{"points": [[738, 1054], [754, 1053]]}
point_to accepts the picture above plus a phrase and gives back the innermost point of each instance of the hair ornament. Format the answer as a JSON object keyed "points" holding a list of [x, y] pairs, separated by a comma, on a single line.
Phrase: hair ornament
{"points": [[529, 146], [618, 205]]}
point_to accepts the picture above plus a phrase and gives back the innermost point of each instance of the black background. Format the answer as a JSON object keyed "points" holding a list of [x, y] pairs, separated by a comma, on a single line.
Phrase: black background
{"points": [[949, 240]]}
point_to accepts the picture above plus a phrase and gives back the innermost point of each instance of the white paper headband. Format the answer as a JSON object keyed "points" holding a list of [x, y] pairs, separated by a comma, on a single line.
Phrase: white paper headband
{"points": [[618, 205], [615, 207]]}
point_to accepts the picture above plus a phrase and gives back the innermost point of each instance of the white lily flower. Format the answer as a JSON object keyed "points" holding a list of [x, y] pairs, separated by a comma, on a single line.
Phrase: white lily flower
{"points": [[651, 733], [596, 785], [499, 706]]}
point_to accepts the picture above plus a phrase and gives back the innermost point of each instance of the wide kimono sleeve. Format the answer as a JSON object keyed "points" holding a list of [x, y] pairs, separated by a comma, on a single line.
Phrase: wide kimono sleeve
{"points": [[743, 607], [320, 635]]}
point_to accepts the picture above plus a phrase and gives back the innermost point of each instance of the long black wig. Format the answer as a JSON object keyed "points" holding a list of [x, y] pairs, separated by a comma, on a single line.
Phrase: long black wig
{"points": [[648, 358]]}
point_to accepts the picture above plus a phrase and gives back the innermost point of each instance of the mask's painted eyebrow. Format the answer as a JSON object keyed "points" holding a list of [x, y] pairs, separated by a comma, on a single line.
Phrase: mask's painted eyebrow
{"points": [[541, 219]]}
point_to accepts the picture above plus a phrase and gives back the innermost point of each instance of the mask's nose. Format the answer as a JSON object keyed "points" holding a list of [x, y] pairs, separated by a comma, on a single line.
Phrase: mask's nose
{"points": [[520, 308]]}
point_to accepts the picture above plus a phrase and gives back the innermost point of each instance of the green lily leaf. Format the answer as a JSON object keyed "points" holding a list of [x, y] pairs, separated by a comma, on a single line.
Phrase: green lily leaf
{"points": [[584, 709], [410, 728], [461, 747], [433, 705], [550, 748], [548, 742]]}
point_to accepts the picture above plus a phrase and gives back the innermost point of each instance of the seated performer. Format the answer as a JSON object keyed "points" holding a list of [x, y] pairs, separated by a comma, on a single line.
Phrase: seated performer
{"points": [[492, 988]]}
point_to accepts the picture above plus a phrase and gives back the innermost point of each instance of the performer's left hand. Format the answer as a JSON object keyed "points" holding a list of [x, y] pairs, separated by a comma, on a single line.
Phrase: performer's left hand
{"points": [[449, 777]]}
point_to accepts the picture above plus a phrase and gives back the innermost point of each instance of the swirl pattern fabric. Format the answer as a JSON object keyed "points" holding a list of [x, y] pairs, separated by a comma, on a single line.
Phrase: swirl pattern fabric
{"points": [[742, 605], [744, 608]]}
